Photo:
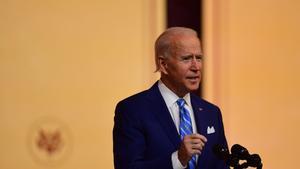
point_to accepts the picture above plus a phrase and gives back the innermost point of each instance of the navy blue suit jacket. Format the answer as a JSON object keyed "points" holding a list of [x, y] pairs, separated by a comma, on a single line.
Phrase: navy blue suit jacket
{"points": [[145, 136]]}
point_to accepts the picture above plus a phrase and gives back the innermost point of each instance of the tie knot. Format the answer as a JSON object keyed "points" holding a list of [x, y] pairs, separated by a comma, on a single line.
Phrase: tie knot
{"points": [[180, 102]]}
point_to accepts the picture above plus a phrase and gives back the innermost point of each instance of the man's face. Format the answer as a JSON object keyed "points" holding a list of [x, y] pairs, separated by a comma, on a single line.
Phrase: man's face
{"points": [[181, 71]]}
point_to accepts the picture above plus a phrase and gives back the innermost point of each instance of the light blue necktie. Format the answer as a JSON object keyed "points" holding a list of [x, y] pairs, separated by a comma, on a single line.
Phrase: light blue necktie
{"points": [[185, 127]]}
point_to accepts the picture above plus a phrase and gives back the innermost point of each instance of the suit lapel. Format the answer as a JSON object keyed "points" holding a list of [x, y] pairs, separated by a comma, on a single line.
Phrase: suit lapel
{"points": [[162, 113], [199, 112]]}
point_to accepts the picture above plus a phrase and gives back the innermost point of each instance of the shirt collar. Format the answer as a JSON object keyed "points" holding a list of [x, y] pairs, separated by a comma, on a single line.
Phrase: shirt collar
{"points": [[170, 97]]}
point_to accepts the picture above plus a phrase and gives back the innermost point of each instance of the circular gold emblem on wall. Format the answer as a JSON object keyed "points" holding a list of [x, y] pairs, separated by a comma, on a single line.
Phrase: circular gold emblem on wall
{"points": [[49, 141]]}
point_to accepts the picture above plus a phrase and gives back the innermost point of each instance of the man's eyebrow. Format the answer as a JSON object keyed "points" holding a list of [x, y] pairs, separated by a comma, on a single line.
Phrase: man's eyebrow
{"points": [[191, 55]]}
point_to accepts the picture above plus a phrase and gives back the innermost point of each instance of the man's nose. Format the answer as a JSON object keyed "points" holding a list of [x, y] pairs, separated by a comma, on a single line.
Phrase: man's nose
{"points": [[195, 64]]}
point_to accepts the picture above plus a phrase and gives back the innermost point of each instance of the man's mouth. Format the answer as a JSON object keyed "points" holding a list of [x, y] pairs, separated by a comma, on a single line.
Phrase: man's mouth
{"points": [[193, 78]]}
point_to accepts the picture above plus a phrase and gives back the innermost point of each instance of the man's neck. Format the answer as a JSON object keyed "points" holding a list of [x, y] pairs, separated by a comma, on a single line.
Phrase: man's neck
{"points": [[169, 86]]}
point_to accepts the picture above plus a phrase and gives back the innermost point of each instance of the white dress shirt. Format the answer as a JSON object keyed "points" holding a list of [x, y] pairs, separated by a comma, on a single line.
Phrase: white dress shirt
{"points": [[170, 99]]}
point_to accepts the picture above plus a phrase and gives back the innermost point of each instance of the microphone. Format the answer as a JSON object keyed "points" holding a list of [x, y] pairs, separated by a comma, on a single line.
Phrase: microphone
{"points": [[222, 153], [239, 151], [254, 160], [242, 153]]}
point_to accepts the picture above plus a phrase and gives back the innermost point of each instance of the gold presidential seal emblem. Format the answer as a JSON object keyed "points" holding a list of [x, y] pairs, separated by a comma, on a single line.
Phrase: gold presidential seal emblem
{"points": [[49, 141]]}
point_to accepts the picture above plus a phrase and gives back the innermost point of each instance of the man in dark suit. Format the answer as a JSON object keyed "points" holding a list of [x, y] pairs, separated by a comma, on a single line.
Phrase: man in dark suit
{"points": [[167, 126]]}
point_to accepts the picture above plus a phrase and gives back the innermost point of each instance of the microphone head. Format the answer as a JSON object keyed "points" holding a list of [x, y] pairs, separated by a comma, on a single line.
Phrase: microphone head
{"points": [[233, 161], [254, 160], [221, 151], [239, 151]]}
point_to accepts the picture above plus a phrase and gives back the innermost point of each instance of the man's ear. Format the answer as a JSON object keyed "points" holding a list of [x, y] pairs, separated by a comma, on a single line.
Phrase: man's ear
{"points": [[162, 65]]}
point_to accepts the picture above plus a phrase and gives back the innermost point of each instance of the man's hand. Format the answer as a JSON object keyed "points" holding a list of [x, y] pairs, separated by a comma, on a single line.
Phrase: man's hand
{"points": [[190, 145]]}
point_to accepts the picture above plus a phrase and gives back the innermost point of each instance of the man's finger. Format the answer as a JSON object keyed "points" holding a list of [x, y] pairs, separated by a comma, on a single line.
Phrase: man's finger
{"points": [[199, 136]]}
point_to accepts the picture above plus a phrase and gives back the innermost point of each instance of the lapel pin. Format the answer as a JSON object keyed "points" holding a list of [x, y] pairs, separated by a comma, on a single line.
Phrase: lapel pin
{"points": [[200, 109]]}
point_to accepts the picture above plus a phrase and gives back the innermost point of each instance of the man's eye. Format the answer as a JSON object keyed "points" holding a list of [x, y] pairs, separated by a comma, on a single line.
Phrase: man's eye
{"points": [[199, 58], [187, 58]]}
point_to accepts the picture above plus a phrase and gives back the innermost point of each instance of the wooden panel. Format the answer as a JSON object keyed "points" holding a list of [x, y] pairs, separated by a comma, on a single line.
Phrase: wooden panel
{"points": [[63, 67], [252, 66]]}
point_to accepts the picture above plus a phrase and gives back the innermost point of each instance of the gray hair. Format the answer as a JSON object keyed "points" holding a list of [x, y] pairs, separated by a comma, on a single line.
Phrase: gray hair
{"points": [[167, 41]]}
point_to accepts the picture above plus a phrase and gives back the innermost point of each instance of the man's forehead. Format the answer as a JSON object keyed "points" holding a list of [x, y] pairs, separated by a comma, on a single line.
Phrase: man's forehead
{"points": [[187, 47], [185, 52]]}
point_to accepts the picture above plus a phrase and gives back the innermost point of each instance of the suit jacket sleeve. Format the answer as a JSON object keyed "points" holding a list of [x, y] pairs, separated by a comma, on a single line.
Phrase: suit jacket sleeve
{"points": [[129, 142]]}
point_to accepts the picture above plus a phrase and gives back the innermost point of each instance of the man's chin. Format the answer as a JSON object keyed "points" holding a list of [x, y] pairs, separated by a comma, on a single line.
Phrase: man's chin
{"points": [[193, 87]]}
